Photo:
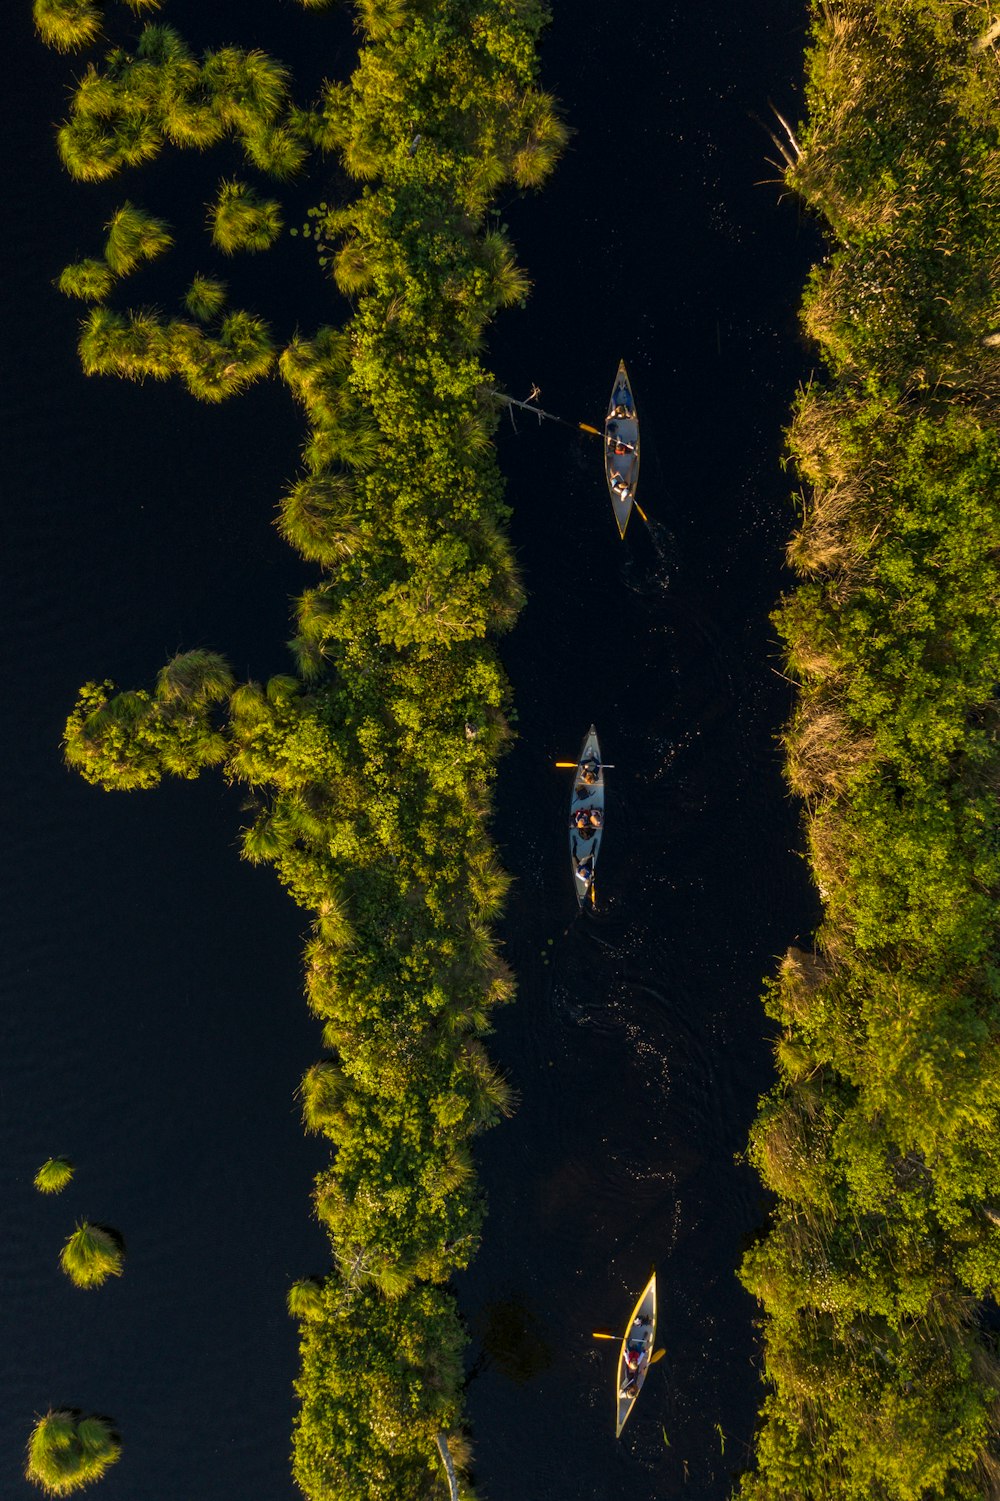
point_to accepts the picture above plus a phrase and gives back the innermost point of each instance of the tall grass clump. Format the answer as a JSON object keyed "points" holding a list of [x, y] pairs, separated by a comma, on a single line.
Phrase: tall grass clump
{"points": [[54, 1175], [240, 219], [68, 1450], [92, 1254], [90, 280], [134, 236], [67, 24], [205, 298]]}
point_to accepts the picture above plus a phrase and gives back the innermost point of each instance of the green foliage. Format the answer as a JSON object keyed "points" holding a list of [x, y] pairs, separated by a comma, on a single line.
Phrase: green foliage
{"points": [[880, 1137], [240, 219], [54, 1175], [369, 776], [305, 1299], [67, 24], [205, 297], [90, 280], [134, 236], [91, 1255], [68, 1450]]}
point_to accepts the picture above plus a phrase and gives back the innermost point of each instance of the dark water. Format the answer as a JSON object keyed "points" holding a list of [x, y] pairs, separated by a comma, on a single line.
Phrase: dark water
{"points": [[153, 1026]]}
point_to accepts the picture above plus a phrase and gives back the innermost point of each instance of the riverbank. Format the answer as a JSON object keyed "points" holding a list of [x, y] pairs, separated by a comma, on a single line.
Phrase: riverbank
{"points": [[879, 1139]]}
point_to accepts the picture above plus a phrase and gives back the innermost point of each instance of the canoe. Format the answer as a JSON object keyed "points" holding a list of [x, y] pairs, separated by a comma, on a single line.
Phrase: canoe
{"points": [[588, 795], [621, 431], [639, 1338]]}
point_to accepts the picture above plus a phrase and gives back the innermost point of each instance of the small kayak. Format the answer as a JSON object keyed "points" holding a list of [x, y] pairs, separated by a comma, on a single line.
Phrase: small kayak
{"points": [[586, 816], [621, 448], [636, 1354]]}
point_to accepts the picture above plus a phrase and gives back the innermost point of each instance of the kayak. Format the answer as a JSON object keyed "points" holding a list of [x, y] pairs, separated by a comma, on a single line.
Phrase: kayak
{"points": [[587, 802], [621, 432], [639, 1340]]}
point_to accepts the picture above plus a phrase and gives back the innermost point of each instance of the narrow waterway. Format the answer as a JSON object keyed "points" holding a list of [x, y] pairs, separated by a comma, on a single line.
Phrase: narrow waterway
{"points": [[638, 1043], [152, 1020]]}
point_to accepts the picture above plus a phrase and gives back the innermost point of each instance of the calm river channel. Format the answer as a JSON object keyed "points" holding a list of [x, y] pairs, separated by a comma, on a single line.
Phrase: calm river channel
{"points": [[153, 1027]]}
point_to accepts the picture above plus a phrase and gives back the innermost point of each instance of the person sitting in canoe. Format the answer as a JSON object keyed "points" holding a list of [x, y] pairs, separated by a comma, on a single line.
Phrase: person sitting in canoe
{"points": [[590, 770], [587, 821], [585, 869]]}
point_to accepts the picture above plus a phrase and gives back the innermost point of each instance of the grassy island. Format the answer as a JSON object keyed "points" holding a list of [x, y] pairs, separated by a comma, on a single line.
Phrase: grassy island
{"points": [[92, 1254], [881, 1139], [55, 1174], [371, 765], [69, 1449]]}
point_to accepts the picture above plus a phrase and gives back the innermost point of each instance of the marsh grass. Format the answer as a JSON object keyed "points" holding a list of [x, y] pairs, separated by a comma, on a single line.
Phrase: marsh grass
{"points": [[317, 518], [90, 280], [54, 1175], [240, 219], [545, 141], [67, 24], [134, 236], [68, 1450], [823, 749], [305, 1298], [196, 678], [205, 298], [92, 1254]]}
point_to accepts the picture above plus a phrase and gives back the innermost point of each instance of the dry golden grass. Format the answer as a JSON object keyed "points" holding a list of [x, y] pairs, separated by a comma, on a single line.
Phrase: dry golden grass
{"points": [[800, 975], [823, 749]]}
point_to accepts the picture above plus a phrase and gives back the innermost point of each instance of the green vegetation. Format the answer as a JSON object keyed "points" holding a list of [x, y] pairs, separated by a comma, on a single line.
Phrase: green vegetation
{"points": [[92, 1254], [305, 1299], [133, 237], [67, 24], [205, 297], [370, 770], [91, 280], [240, 219], [881, 1138], [124, 113], [67, 1450], [54, 1175]]}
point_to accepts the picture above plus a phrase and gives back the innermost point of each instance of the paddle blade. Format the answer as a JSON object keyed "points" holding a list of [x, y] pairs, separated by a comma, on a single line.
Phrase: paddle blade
{"points": [[585, 427], [573, 764], [605, 1334], [656, 1355]]}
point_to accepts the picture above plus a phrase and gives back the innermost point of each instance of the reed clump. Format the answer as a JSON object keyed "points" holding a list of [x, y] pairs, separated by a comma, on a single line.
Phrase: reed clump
{"points": [[68, 1450], [92, 1254], [55, 1174]]}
